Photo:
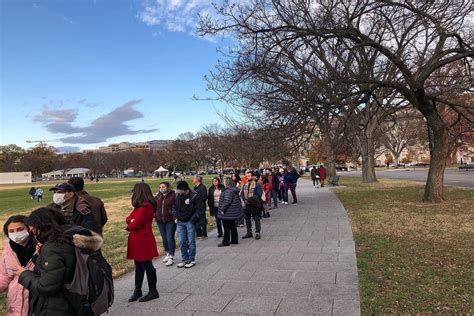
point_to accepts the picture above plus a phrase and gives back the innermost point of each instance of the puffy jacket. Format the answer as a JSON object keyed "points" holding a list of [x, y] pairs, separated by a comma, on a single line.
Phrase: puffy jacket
{"points": [[188, 207], [17, 295], [141, 241], [230, 206], [164, 207], [54, 267]]}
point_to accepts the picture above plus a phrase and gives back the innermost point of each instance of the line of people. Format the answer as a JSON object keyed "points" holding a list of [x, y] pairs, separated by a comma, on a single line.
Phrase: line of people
{"points": [[41, 255]]}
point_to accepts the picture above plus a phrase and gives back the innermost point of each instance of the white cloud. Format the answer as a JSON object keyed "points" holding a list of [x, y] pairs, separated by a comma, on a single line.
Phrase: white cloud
{"points": [[174, 15]]}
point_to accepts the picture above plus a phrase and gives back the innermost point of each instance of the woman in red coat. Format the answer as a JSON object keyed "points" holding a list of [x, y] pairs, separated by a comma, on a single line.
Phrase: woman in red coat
{"points": [[322, 174], [141, 241]]}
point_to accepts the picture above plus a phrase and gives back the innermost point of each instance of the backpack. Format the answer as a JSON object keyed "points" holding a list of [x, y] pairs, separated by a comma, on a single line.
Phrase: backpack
{"points": [[92, 285]]}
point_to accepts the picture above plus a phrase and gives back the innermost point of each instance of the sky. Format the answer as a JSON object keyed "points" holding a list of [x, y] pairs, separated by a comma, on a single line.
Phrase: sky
{"points": [[86, 73]]}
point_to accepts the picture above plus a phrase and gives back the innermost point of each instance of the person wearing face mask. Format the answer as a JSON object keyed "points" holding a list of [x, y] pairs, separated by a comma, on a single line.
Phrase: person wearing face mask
{"points": [[187, 211], [18, 250], [54, 266], [164, 219], [75, 208]]}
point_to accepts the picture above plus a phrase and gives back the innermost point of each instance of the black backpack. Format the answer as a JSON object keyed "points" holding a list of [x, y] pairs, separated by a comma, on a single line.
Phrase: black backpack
{"points": [[92, 287]]}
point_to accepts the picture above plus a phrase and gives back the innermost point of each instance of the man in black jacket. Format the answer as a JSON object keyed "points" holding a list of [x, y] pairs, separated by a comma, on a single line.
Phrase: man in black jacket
{"points": [[187, 210], [75, 208], [201, 226]]}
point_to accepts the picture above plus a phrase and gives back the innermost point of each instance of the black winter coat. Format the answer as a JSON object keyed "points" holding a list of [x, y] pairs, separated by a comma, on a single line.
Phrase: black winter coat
{"points": [[253, 206], [210, 198], [54, 267], [230, 206], [188, 207]]}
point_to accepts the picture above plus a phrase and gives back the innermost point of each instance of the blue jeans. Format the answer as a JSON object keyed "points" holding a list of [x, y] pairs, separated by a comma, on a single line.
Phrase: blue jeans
{"points": [[167, 231], [284, 193], [187, 240], [218, 222]]}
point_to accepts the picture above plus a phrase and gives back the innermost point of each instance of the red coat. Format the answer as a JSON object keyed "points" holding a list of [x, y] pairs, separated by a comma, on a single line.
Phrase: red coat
{"points": [[141, 241], [322, 173]]}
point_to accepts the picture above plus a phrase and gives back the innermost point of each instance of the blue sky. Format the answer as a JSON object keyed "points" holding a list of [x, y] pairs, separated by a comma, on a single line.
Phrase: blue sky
{"points": [[88, 73]]}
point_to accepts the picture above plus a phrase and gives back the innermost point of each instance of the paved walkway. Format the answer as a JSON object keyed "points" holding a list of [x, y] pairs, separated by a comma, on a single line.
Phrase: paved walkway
{"points": [[305, 264]]}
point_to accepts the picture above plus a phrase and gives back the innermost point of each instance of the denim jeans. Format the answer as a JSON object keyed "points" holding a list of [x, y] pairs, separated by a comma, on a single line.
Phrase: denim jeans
{"points": [[218, 222], [274, 196], [187, 240], [167, 231], [284, 193]]}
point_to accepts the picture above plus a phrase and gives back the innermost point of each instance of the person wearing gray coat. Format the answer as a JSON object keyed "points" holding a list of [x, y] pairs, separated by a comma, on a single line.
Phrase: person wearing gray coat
{"points": [[230, 210]]}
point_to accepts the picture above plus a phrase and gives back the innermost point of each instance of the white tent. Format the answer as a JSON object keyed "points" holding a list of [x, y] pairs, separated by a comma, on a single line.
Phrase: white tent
{"points": [[161, 169]]}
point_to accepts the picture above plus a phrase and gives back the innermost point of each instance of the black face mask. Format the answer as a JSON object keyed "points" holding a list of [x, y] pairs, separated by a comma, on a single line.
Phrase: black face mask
{"points": [[41, 238]]}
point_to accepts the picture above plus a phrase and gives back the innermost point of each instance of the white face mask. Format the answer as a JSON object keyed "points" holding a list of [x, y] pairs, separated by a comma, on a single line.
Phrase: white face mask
{"points": [[163, 190], [19, 237], [58, 198]]}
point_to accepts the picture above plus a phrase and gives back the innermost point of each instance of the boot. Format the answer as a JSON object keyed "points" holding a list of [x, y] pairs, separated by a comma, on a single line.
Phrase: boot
{"points": [[137, 293], [153, 293]]}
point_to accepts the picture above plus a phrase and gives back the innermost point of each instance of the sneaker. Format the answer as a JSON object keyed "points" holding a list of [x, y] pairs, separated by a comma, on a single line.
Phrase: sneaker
{"points": [[199, 238], [294, 203], [170, 262], [248, 235], [165, 259], [190, 264], [257, 236], [181, 264], [241, 225]]}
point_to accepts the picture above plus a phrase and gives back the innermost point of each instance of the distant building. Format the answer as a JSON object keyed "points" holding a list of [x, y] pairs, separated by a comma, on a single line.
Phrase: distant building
{"points": [[152, 145], [15, 177], [67, 173]]}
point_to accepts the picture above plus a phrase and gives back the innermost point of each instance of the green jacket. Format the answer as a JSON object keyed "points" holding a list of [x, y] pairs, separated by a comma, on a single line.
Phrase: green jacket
{"points": [[54, 267]]}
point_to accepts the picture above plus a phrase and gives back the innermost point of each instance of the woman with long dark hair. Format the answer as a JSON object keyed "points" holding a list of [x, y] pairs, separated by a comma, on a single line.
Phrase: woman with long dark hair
{"points": [[18, 250], [54, 267], [213, 197], [141, 241]]}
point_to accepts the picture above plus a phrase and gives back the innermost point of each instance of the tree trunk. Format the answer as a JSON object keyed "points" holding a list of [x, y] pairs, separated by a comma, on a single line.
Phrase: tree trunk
{"points": [[397, 159], [368, 158], [331, 163], [440, 153]]}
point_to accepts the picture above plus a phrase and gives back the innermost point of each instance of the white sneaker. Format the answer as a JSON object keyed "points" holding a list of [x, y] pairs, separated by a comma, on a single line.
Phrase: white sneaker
{"points": [[190, 264], [165, 259], [181, 264], [170, 262]]}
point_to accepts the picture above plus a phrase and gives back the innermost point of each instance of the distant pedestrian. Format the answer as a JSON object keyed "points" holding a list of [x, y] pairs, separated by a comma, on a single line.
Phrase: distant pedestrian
{"points": [[230, 210], [39, 194], [187, 211], [96, 204], [275, 193], [251, 195], [32, 192], [213, 197], [284, 187], [315, 177], [267, 187], [141, 241], [164, 219], [322, 174], [201, 225], [290, 180]]}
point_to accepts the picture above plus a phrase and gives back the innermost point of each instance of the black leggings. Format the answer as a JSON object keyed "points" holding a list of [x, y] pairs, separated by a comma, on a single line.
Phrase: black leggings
{"points": [[144, 265]]}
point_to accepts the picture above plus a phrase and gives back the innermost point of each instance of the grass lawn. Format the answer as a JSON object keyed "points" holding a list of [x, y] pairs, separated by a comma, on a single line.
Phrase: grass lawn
{"points": [[116, 196], [412, 257]]}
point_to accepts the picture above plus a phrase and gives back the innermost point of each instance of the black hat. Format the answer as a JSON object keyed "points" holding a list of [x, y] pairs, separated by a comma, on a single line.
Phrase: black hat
{"points": [[65, 187], [182, 185]]}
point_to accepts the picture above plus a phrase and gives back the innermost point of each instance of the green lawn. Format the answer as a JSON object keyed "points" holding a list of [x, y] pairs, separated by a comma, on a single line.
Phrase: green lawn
{"points": [[412, 257], [116, 196]]}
